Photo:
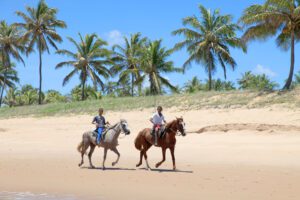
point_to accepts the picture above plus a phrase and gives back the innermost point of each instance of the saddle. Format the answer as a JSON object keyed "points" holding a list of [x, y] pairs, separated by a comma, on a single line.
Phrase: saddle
{"points": [[161, 132], [95, 133]]}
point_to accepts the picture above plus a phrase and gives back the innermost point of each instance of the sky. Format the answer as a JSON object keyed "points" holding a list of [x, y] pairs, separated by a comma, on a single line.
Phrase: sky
{"points": [[155, 19]]}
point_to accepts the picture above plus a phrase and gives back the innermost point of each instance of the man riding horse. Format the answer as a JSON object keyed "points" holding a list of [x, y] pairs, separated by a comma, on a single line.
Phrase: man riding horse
{"points": [[157, 120]]}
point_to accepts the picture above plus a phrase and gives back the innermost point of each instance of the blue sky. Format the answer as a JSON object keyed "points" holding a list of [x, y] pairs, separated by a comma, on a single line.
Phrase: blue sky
{"points": [[156, 19]]}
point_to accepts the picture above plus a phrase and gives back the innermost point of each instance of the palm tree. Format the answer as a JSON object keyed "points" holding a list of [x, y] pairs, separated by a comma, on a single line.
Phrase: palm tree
{"points": [[275, 17], [297, 78], [193, 85], [8, 77], [11, 97], [89, 61], [208, 38], [154, 64], [127, 59], [11, 45], [40, 30]]}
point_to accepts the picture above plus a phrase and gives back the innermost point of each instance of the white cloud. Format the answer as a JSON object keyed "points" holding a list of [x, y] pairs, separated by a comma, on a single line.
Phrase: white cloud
{"points": [[114, 37], [259, 69]]}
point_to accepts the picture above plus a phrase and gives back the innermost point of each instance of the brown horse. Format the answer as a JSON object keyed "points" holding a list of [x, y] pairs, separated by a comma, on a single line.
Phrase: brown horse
{"points": [[145, 140]]}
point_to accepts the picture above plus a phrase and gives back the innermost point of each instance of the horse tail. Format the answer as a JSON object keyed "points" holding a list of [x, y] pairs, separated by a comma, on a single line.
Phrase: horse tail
{"points": [[137, 141], [79, 147]]}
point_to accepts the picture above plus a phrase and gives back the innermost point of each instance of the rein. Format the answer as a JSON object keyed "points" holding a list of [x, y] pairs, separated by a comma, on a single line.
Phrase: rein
{"points": [[114, 128], [171, 129]]}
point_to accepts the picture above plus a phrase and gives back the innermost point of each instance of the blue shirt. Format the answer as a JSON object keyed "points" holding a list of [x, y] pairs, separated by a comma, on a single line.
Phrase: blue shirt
{"points": [[100, 120]]}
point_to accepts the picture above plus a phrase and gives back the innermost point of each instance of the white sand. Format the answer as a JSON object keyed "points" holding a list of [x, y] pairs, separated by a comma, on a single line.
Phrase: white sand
{"points": [[39, 155]]}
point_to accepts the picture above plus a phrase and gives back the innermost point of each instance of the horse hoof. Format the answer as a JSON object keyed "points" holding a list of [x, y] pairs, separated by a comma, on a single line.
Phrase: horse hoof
{"points": [[103, 168], [137, 165], [113, 164], [79, 165], [92, 166], [157, 165]]}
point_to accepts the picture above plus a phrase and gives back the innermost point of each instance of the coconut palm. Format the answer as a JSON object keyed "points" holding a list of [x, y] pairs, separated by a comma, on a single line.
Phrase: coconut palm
{"points": [[8, 77], [89, 93], [256, 82], [208, 39], [297, 78], [127, 59], [90, 61], [193, 85], [40, 25], [11, 46], [10, 98], [279, 18], [154, 64]]}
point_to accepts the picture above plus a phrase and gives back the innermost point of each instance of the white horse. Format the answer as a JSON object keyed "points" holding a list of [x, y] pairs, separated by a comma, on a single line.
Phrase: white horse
{"points": [[109, 141]]}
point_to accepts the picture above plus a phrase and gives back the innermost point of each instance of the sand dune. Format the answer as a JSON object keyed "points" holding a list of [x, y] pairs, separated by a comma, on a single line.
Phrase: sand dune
{"points": [[39, 155], [249, 127]]}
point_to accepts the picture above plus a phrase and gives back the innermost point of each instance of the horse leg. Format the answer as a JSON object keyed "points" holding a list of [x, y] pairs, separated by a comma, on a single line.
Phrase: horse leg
{"points": [[173, 157], [115, 150], [164, 157], [90, 155], [104, 158], [83, 150], [145, 155], [141, 159]]}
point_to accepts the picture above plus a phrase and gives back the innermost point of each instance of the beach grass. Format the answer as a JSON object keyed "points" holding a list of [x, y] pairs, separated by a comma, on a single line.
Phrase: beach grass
{"points": [[199, 100]]}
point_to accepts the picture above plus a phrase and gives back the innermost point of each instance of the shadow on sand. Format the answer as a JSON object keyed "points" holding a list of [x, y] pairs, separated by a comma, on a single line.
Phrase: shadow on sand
{"points": [[168, 170], [110, 168], [133, 169]]}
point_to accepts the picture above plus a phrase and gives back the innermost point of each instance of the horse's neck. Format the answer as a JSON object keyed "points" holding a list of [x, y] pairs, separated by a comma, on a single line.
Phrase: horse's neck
{"points": [[171, 128], [117, 131]]}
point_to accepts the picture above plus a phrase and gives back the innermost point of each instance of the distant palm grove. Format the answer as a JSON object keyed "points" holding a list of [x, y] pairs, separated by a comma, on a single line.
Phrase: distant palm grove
{"points": [[139, 66]]}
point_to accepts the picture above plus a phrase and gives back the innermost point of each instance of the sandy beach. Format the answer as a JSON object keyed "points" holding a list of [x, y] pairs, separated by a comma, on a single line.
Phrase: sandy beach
{"points": [[243, 162]]}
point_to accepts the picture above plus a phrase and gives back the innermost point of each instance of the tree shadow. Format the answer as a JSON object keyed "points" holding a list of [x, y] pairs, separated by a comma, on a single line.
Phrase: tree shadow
{"points": [[168, 170], [110, 168]]}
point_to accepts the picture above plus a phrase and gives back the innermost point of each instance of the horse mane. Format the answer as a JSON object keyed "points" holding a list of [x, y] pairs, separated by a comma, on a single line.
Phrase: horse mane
{"points": [[169, 124], [113, 126]]}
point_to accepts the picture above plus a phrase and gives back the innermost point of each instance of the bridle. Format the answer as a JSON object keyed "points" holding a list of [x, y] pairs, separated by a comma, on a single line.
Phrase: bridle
{"points": [[177, 132]]}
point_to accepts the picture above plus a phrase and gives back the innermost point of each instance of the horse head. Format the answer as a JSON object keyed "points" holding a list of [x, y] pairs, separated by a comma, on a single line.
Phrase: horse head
{"points": [[124, 126], [180, 125]]}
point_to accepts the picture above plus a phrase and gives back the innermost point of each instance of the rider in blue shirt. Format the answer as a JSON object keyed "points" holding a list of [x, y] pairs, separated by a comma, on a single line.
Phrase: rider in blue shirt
{"points": [[100, 124]]}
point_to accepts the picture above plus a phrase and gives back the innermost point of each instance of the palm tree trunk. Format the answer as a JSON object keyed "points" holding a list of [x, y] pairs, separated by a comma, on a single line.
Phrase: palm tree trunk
{"points": [[291, 74], [2, 88], [132, 84], [209, 78], [82, 90], [40, 74], [6, 65]]}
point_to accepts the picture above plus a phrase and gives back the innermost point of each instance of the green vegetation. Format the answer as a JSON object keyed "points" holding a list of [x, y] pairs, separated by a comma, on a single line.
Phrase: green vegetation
{"points": [[271, 18], [141, 65], [40, 25], [128, 61], [195, 101], [89, 61], [11, 44], [154, 63], [256, 82], [208, 40]]}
